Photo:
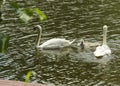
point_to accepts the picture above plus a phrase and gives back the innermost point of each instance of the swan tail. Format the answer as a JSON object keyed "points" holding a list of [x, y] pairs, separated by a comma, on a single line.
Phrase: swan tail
{"points": [[72, 41]]}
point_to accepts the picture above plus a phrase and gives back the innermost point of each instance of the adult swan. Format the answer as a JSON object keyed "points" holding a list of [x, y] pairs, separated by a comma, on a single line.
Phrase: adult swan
{"points": [[104, 49], [54, 43]]}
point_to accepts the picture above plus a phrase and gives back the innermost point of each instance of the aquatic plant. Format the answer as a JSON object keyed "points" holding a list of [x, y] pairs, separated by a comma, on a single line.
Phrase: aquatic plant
{"points": [[4, 40], [29, 74]]}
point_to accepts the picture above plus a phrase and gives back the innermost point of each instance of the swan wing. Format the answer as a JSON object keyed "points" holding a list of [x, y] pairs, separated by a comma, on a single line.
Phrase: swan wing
{"points": [[55, 43], [102, 50]]}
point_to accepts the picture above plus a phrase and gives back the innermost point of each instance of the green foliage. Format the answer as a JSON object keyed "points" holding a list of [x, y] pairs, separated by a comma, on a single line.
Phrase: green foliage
{"points": [[4, 40], [27, 14], [40, 14], [15, 5], [29, 74]]}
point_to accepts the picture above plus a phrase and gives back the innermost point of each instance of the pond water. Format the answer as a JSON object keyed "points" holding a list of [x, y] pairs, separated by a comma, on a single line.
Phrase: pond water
{"points": [[66, 19]]}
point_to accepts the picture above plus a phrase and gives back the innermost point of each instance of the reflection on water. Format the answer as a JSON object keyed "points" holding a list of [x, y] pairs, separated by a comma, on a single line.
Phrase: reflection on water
{"points": [[70, 20]]}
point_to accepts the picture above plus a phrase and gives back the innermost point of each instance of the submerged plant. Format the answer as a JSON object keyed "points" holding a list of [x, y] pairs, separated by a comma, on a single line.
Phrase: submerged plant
{"points": [[4, 40]]}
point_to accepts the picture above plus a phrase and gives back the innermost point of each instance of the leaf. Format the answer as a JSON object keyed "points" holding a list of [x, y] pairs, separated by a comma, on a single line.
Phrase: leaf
{"points": [[29, 74], [28, 11], [40, 14], [24, 16]]}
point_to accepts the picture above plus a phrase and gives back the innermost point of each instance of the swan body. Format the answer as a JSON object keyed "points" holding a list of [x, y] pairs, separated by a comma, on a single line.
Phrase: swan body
{"points": [[104, 49], [54, 43]]}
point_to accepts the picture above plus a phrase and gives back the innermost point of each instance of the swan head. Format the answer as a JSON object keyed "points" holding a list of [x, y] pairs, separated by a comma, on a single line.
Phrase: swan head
{"points": [[105, 27], [37, 27], [81, 44]]}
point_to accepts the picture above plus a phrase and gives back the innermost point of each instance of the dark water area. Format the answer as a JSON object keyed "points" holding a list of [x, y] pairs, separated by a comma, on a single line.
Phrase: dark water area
{"points": [[66, 19]]}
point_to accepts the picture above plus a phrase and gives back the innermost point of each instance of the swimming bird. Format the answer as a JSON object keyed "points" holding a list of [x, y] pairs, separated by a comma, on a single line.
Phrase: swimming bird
{"points": [[54, 43], [86, 45], [104, 49]]}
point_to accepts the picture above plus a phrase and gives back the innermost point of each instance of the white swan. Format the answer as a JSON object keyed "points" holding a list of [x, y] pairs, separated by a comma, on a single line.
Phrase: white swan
{"points": [[54, 43], [104, 49]]}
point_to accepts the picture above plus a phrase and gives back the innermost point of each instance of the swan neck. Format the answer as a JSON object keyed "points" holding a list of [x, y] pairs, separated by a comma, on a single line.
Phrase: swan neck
{"points": [[104, 36], [39, 35]]}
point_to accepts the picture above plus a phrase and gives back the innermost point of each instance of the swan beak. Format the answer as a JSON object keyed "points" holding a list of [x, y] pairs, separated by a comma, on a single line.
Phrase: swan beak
{"points": [[99, 57]]}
